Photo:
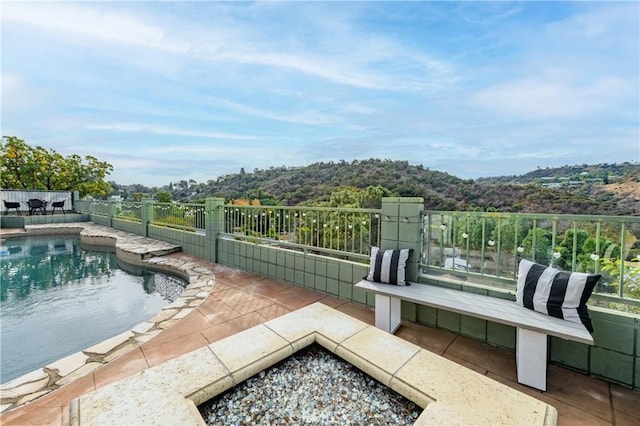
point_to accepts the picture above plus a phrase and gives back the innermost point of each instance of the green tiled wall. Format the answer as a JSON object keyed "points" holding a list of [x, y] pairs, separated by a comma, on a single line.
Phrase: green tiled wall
{"points": [[323, 274], [573, 354], [427, 315], [101, 220], [473, 327], [408, 310], [612, 366], [501, 335], [21, 221], [11, 221], [127, 226], [191, 243], [615, 355], [449, 320]]}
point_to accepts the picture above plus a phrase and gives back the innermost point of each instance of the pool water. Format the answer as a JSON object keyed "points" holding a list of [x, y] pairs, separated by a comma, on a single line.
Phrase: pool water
{"points": [[57, 299]]}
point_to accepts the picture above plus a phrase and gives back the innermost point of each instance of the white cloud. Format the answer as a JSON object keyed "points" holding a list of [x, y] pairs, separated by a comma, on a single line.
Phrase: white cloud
{"points": [[536, 97], [358, 59], [93, 22], [18, 95], [164, 130], [601, 24], [204, 88], [302, 117], [11, 83]]}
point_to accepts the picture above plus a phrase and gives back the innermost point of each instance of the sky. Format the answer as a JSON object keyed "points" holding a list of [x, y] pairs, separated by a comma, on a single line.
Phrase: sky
{"points": [[170, 91]]}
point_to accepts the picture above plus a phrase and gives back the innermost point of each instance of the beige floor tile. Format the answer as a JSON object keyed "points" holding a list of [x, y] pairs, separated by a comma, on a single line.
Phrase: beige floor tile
{"points": [[436, 340], [217, 312], [332, 302], [249, 320], [267, 287], [192, 323], [220, 331], [67, 393], [363, 313], [296, 298], [477, 368], [580, 400], [235, 296], [253, 305], [272, 311], [220, 286], [211, 304], [568, 415], [49, 409], [626, 401], [579, 390], [120, 368], [171, 349], [41, 416], [496, 360]]}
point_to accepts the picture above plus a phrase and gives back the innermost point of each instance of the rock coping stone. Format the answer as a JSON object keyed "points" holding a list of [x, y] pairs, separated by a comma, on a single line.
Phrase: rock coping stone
{"points": [[135, 249], [169, 393]]}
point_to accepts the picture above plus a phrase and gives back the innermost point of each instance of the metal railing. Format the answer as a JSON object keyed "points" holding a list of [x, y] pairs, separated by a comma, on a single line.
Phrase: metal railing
{"points": [[486, 247], [100, 208], [189, 217], [131, 212], [346, 233]]}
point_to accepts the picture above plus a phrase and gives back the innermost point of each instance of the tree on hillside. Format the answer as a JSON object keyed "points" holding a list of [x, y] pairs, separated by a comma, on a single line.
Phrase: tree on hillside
{"points": [[25, 167], [163, 196]]}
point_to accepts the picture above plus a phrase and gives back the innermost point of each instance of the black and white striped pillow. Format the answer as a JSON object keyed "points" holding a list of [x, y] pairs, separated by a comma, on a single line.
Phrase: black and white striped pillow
{"points": [[389, 266], [556, 293]]}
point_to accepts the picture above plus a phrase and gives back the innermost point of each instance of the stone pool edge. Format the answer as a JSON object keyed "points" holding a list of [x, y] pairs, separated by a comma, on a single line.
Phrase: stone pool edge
{"points": [[132, 248], [169, 393]]}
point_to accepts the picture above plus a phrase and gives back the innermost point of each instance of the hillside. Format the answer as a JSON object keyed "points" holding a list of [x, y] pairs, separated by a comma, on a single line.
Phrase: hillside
{"points": [[570, 175], [441, 191]]}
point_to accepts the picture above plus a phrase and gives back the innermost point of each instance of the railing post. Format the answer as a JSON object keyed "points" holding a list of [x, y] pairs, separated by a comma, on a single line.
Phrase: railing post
{"points": [[75, 196], [146, 214], [111, 208], [213, 225], [402, 228]]}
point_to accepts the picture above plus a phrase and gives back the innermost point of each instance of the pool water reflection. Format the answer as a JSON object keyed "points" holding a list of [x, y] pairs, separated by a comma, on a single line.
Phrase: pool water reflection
{"points": [[57, 299]]}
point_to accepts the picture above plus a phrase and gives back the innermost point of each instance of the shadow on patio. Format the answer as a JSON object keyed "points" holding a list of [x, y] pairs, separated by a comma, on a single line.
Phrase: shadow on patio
{"points": [[241, 300]]}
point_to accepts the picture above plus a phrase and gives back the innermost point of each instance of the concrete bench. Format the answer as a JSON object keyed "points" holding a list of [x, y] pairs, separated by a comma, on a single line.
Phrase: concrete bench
{"points": [[532, 327]]}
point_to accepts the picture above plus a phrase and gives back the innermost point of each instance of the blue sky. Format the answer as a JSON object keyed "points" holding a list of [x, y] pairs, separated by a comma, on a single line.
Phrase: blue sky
{"points": [[169, 91]]}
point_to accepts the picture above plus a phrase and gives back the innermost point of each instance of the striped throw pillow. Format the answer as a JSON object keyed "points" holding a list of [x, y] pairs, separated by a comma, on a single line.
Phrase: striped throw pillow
{"points": [[389, 266], [556, 293]]}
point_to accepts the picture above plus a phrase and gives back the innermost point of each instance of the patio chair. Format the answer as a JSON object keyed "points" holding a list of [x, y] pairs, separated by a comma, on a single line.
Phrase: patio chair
{"points": [[11, 205], [57, 205], [36, 205]]}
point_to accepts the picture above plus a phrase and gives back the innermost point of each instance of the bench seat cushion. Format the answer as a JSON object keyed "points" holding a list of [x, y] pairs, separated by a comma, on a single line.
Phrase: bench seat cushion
{"points": [[389, 266], [560, 294]]}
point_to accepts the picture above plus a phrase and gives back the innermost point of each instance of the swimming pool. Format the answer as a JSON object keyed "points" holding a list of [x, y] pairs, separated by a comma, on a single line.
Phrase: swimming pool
{"points": [[57, 299]]}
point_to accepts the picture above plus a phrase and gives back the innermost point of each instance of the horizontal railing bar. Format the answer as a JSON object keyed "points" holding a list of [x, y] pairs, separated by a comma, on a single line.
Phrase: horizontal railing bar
{"points": [[327, 209], [548, 216], [303, 247]]}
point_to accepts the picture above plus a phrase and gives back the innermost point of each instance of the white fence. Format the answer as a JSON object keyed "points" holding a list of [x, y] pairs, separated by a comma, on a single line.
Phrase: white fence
{"points": [[22, 196]]}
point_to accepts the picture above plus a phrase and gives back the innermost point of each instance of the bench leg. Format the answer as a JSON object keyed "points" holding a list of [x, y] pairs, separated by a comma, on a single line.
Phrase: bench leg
{"points": [[387, 313], [531, 358]]}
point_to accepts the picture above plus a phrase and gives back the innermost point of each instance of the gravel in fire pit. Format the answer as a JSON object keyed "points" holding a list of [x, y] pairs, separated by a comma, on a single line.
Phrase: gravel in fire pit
{"points": [[310, 387]]}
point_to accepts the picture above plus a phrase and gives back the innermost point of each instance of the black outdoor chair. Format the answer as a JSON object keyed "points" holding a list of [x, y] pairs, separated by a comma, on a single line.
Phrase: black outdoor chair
{"points": [[11, 205], [36, 205], [57, 205]]}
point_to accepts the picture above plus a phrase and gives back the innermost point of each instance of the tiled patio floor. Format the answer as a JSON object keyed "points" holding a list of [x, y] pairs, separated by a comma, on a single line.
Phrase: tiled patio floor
{"points": [[241, 300]]}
